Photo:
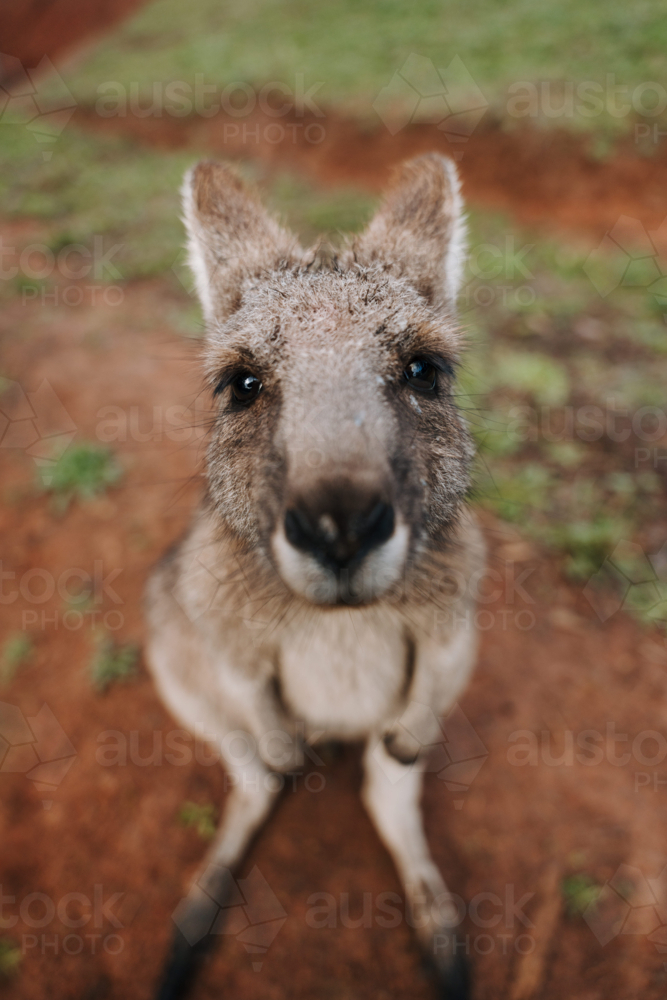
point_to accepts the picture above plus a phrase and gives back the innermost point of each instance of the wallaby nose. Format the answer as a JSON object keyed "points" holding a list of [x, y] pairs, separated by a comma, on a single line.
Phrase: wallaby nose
{"points": [[339, 527]]}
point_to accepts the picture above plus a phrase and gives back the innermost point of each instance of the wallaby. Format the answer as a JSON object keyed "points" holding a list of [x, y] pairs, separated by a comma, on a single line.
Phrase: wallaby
{"points": [[306, 600]]}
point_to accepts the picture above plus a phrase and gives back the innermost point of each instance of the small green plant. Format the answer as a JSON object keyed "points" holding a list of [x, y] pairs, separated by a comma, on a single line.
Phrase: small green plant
{"points": [[112, 663], [10, 957], [585, 544], [16, 650], [578, 892], [83, 471], [201, 817]]}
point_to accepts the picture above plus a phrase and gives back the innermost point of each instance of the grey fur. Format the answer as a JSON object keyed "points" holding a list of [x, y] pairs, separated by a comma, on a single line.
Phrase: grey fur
{"points": [[246, 632]]}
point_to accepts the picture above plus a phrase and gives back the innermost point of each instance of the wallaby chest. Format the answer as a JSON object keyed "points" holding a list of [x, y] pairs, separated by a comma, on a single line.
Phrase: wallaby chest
{"points": [[346, 672]]}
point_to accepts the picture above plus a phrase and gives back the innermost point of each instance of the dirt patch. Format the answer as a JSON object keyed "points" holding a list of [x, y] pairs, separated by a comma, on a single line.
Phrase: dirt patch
{"points": [[548, 668], [32, 29], [537, 175]]}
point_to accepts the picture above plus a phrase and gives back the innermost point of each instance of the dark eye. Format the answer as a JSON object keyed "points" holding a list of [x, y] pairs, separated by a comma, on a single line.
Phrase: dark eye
{"points": [[245, 387], [421, 375]]}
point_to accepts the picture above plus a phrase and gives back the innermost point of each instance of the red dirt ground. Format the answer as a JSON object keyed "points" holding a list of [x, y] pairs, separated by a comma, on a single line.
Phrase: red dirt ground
{"points": [[32, 29], [548, 176], [117, 826], [517, 829]]}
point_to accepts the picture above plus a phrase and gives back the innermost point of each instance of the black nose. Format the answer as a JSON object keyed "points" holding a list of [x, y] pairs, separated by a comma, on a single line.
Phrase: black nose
{"points": [[340, 526]]}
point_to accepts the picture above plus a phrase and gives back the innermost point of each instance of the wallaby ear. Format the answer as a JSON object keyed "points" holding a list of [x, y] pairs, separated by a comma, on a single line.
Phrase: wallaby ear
{"points": [[419, 232], [230, 237]]}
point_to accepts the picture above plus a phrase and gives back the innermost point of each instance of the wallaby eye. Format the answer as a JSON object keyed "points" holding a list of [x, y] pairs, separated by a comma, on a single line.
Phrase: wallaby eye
{"points": [[245, 387], [421, 375]]}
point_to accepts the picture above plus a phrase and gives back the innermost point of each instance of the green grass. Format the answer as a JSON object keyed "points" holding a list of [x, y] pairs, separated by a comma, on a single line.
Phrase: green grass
{"points": [[549, 354], [10, 957], [578, 892], [354, 49], [83, 471], [16, 651], [107, 189], [112, 663], [127, 198], [202, 818]]}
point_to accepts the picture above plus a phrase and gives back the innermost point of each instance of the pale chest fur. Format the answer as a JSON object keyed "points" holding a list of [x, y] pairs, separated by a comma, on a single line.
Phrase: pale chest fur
{"points": [[344, 673]]}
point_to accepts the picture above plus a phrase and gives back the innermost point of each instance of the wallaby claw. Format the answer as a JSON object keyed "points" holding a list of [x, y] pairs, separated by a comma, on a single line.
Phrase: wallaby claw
{"points": [[455, 980], [181, 967]]}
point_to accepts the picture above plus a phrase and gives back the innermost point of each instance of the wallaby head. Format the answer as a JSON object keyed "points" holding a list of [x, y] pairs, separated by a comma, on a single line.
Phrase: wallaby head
{"points": [[337, 451]]}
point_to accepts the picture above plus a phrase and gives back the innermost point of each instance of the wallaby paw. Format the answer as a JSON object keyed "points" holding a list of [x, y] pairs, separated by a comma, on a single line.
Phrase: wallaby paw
{"points": [[283, 755], [402, 745], [181, 967], [454, 980]]}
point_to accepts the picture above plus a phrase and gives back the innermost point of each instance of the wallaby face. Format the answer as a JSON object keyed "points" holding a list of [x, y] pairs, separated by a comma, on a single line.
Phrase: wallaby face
{"points": [[337, 449], [301, 602]]}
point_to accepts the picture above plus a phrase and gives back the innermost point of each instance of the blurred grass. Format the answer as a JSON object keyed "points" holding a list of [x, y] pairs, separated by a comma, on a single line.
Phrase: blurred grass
{"points": [[129, 195], [16, 651], [10, 957], [555, 383], [83, 471], [201, 817], [354, 49], [112, 663], [579, 892]]}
